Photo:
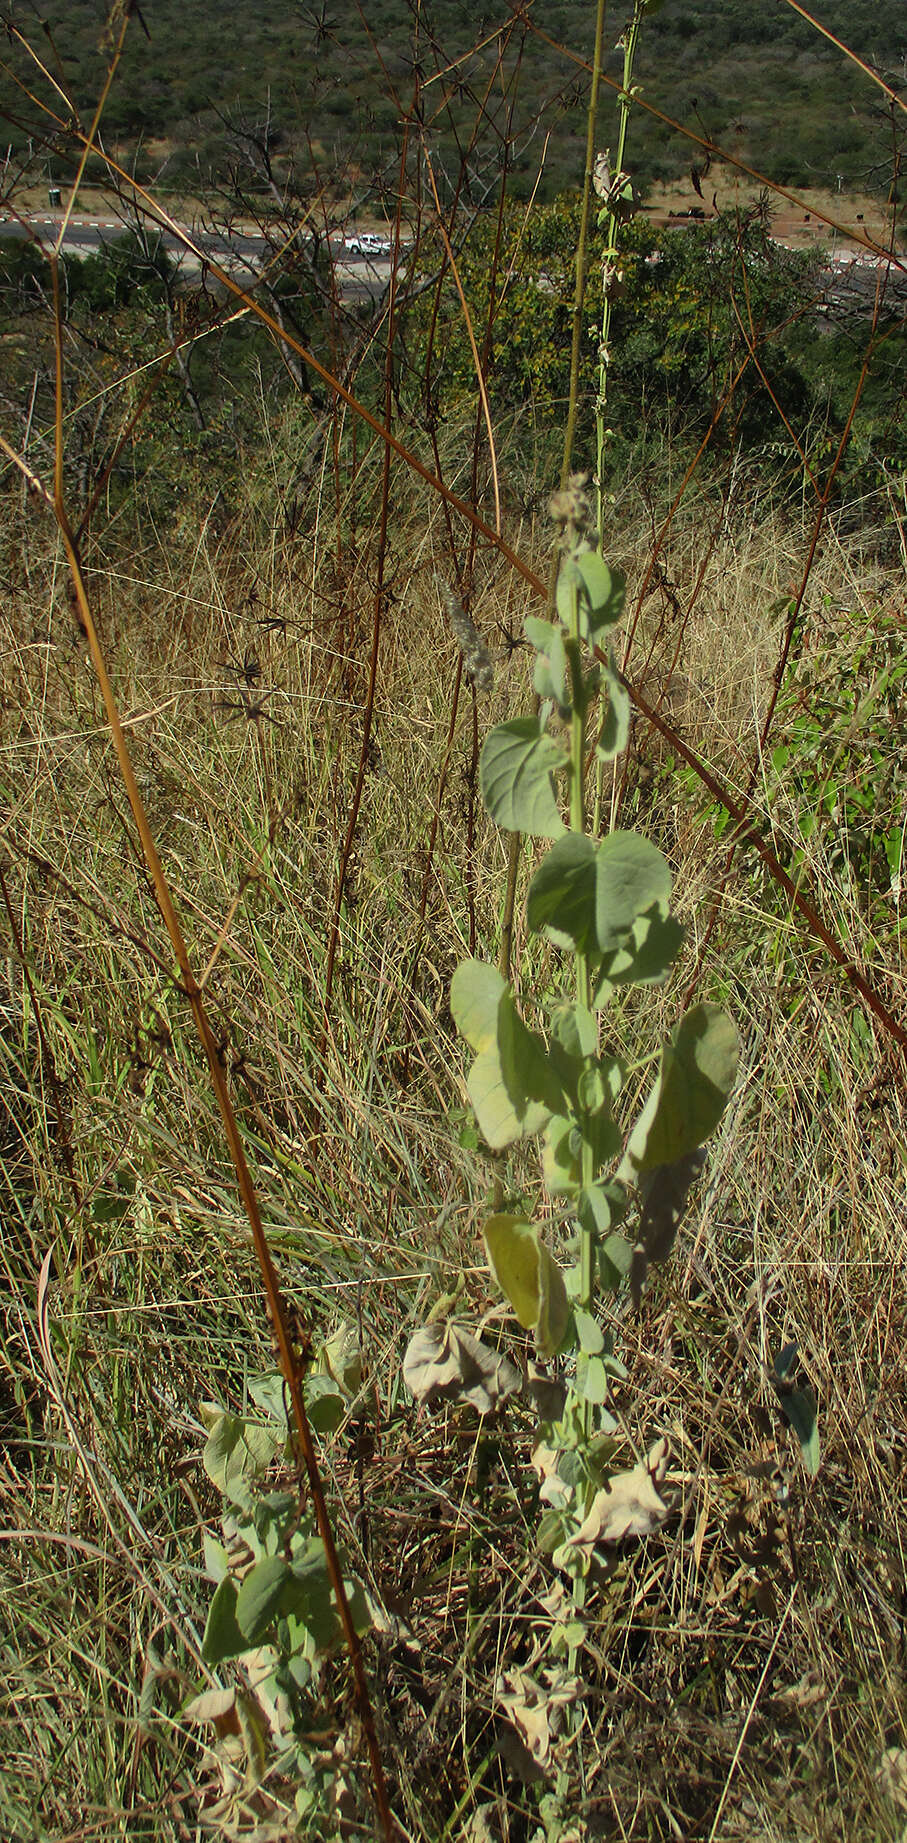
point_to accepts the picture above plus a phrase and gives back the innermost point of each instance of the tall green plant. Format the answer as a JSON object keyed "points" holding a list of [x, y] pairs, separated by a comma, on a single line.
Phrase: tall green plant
{"points": [[618, 1189]]}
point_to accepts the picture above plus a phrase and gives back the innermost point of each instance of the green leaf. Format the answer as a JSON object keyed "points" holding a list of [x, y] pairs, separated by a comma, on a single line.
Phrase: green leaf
{"points": [[220, 1444], [561, 900], [663, 1193], [515, 771], [615, 1259], [587, 897], [512, 1084], [550, 675], [589, 1332], [223, 1637], [309, 1598], [600, 590], [592, 1380], [259, 1598], [530, 1278], [235, 1452], [644, 956], [215, 1558], [798, 1406], [325, 1403], [476, 990], [575, 1029], [561, 1157], [267, 1392], [698, 1071], [615, 730]]}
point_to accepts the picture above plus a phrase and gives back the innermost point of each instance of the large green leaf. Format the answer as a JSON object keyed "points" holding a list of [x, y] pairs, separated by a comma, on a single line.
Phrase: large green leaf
{"points": [[531, 1279], [237, 1451], [476, 990], [512, 1085], [601, 596], [587, 897], [515, 771], [259, 1597], [698, 1071], [223, 1636]]}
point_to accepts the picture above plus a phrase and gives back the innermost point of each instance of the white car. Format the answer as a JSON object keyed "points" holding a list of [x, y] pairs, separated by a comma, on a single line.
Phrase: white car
{"points": [[366, 243]]}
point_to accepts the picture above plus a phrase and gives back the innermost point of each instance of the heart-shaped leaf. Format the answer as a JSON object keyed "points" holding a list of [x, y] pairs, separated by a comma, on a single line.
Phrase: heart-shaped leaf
{"points": [[587, 897], [515, 770]]}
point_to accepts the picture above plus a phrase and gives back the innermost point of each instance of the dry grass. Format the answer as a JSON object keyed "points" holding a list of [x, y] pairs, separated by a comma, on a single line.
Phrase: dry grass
{"points": [[746, 1675]]}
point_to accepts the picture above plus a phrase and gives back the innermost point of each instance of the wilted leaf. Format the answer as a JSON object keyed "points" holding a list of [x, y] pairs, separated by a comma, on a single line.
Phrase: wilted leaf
{"points": [[553, 1488], [537, 1708], [548, 1394], [893, 1775], [446, 1363], [512, 1085], [698, 1071], [515, 770], [628, 1506], [531, 1279], [664, 1193], [341, 1358], [217, 1706]]}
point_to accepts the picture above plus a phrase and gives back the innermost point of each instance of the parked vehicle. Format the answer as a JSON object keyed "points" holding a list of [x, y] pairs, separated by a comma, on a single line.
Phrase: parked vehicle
{"points": [[366, 243]]}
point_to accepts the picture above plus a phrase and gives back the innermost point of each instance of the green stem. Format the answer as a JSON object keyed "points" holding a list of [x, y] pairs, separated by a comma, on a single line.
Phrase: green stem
{"points": [[611, 257], [612, 253], [582, 248]]}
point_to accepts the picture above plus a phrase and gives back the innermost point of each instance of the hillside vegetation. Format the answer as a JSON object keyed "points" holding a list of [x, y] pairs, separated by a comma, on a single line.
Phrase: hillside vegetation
{"points": [[453, 996], [332, 84]]}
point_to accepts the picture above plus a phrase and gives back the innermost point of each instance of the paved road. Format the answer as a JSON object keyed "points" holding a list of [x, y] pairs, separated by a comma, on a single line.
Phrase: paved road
{"points": [[850, 279], [358, 278]]}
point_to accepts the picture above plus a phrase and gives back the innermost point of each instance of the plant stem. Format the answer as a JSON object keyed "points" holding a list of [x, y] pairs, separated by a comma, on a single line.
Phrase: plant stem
{"points": [[611, 256], [581, 248]]}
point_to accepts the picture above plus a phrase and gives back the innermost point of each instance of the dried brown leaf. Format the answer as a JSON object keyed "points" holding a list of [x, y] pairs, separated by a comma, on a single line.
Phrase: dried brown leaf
{"points": [[446, 1363], [628, 1506], [536, 1708]]}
